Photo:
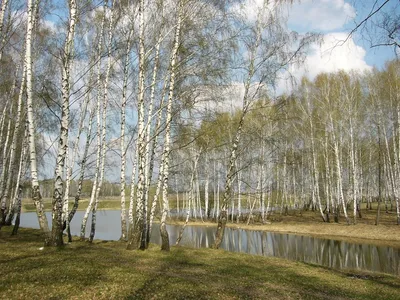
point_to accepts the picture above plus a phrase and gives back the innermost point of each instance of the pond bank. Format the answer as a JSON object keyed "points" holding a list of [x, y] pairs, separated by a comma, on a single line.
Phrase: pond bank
{"points": [[382, 235]]}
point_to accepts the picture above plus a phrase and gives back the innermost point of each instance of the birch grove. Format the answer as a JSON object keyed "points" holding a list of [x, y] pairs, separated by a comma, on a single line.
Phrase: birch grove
{"points": [[172, 106]]}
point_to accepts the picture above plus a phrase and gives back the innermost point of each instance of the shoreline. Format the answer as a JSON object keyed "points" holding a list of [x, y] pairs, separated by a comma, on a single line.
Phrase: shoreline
{"points": [[309, 224], [331, 231]]}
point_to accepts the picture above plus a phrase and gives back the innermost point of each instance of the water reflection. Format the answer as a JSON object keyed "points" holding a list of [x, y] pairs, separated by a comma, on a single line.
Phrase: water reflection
{"points": [[330, 253]]}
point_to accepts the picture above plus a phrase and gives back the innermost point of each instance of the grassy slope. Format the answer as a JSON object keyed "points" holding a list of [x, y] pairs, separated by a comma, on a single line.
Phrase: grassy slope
{"points": [[106, 270]]}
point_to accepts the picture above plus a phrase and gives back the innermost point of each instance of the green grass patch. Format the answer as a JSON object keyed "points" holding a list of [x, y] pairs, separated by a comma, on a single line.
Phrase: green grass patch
{"points": [[106, 270]]}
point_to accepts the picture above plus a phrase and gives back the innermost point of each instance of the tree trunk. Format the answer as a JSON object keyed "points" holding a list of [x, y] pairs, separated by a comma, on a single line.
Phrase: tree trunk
{"points": [[16, 202], [231, 166], [99, 132], [138, 238], [3, 8], [191, 187], [37, 198], [124, 235], [81, 177], [167, 142], [57, 224], [104, 122]]}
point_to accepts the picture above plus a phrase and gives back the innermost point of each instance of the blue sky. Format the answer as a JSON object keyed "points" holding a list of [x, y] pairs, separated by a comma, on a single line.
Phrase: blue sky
{"points": [[333, 17]]}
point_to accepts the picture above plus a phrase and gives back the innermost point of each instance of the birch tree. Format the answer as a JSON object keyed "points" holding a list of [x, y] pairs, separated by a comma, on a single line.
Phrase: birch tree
{"points": [[104, 121], [57, 224], [167, 140], [124, 235], [36, 196], [138, 238], [4, 6], [265, 41], [98, 124]]}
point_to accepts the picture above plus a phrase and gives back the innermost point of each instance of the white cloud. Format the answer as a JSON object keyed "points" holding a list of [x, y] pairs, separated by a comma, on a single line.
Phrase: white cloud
{"points": [[330, 56], [322, 15], [249, 10]]}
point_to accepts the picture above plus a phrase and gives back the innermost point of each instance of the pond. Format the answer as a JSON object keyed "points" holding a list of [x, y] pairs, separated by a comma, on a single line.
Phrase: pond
{"points": [[330, 253]]}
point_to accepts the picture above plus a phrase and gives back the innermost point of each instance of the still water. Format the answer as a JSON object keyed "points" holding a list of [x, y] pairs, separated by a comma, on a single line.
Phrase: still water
{"points": [[325, 252]]}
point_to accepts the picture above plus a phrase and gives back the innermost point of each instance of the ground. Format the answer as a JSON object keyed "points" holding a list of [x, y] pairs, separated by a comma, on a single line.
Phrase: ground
{"points": [[106, 270]]}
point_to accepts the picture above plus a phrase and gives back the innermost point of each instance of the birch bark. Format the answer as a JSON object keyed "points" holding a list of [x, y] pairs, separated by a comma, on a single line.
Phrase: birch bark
{"points": [[36, 196], [13, 158], [98, 123], [57, 224], [15, 205], [3, 8], [122, 144], [104, 122], [167, 140], [138, 239], [190, 192]]}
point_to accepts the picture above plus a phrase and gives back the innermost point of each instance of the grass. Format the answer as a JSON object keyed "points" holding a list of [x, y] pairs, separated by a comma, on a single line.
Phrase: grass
{"points": [[105, 270]]}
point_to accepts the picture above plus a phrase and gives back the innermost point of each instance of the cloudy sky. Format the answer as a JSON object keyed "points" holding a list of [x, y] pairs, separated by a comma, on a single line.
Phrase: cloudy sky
{"points": [[335, 19]]}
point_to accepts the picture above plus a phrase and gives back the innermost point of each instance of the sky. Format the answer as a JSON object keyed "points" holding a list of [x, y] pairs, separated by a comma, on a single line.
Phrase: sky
{"points": [[334, 19]]}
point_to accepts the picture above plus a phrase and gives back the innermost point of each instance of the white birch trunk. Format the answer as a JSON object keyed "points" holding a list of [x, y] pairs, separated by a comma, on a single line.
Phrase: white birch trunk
{"points": [[122, 145], [137, 239], [132, 193], [314, 158], [397, 158], [239, 185], [37, 198], [81, 175], [167, 139], [18, 187], [2, 122], [71, 162], [16, 136], [98, 124], [338, 172], [150, 164], [104, 124], [191, 186], [354, 171], [6, 149], [57, 224], [231, 172], [3, 8], [12, 165], [160, 182]]}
